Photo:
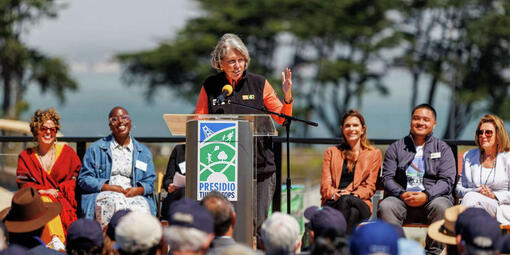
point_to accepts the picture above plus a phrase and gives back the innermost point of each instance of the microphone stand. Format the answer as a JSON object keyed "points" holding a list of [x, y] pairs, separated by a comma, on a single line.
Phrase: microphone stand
{"points": [[286, 123]]}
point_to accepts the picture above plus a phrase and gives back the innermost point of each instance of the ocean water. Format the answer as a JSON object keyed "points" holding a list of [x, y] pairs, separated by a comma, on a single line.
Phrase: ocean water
{"points": [[85, 111]]}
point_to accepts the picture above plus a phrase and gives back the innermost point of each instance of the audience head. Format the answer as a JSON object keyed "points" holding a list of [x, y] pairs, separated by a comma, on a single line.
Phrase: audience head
{"points": [[14, 249], [138, 233], [221, 210], [423, 120], [477, 232], [44, 126], [85, 236], [354, 129], [410, 246], [375, 237], [280, 234], [28, 213], [190, 229], [504, 244], [444, 230], [326, 222], [491, 132], [114, 221], [119, 122]]}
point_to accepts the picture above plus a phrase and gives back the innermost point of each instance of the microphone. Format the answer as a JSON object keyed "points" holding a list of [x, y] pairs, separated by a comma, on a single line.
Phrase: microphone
{"points": [[225, 92]]}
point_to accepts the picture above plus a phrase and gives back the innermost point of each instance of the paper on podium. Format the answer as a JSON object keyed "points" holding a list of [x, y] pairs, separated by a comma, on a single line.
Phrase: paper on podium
{"points": [[179, 180]]}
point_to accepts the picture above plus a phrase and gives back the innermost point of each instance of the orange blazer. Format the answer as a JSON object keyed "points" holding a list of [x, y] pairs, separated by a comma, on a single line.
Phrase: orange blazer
{"points": [[365, 174]]}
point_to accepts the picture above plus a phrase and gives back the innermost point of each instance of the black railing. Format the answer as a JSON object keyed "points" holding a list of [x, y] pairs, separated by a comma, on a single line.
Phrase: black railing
{"points": [[81, 146]]}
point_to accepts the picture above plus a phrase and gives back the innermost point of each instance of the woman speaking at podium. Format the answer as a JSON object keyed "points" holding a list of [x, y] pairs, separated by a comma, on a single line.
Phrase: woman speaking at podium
{"points": [[231, 58]]}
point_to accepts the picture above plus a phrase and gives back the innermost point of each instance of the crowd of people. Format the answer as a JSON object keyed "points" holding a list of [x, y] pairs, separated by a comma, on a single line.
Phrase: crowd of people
{"points": [[105, 203]]}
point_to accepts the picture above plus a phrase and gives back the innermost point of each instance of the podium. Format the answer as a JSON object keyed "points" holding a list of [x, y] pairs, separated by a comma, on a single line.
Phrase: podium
{"points": [[220, 156]]}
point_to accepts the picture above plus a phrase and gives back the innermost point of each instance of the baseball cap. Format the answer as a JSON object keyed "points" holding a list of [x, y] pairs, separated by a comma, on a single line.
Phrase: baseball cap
{"points": [[138, 231], [326, 221], [373, 237], [189, 213], [478, 229], [114, 221], [84, 234]]}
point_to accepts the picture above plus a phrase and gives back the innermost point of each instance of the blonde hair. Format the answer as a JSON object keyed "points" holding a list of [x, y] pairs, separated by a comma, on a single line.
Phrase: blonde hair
{"points": [[41, 116], [502, 140], [226, 43], [345, 148]]}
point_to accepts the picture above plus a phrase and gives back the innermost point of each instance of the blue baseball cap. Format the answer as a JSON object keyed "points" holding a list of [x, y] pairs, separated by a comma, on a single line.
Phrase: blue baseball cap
{"points": [[189, 213], [84, 234], [114, 221], [326, 221], [478, 229], [373, 237], [504, 244]]}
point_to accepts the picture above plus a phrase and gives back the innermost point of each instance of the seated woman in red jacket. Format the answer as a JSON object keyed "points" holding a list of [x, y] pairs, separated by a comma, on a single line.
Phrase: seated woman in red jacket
{"points": [[52, 170], [349, 171]]}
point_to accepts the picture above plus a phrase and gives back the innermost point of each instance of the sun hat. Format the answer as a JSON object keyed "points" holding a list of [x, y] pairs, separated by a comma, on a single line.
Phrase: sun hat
{"points": [[444, 230], [28, 212]]}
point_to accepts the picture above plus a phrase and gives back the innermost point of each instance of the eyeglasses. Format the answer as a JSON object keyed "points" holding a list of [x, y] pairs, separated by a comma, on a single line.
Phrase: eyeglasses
{"points": [[488, 133], [116, 119], [51, 129], [233, 62]]}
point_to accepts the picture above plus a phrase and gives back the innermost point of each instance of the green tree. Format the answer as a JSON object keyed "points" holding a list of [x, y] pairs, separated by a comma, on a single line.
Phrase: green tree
{"points": [[336, 40], [20, 65], [463, 45]]}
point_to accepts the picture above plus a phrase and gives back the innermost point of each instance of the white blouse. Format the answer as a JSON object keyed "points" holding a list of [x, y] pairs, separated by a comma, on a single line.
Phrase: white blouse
{"points": [[497, 178]]}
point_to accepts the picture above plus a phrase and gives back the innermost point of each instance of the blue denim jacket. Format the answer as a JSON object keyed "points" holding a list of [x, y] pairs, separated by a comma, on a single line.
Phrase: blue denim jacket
{"points": [[97, 168]]}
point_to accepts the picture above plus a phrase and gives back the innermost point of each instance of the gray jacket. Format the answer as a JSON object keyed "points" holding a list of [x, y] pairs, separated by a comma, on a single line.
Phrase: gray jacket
{"points": [[440, 172]]}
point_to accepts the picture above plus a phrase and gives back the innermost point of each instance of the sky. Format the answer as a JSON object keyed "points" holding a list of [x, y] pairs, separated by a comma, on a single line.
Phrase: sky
{"points": [[88, 33]]}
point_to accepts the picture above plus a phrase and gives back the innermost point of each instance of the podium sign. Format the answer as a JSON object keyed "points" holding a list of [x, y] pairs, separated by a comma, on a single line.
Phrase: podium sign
{"points": [[217, 158]]}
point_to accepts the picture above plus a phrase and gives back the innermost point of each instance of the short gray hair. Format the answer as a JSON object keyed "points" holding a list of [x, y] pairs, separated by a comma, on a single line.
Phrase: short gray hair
{"points": [[280, 234], [185, 239], [226, 43]]}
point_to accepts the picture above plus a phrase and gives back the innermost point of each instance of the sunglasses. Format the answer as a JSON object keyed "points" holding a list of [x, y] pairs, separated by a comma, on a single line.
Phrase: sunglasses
{"points": [[116, 119], [45, 129], [488, 133]]}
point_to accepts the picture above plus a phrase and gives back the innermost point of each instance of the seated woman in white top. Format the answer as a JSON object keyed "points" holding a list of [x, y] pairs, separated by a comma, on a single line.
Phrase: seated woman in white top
{"points": [[485, 175]]}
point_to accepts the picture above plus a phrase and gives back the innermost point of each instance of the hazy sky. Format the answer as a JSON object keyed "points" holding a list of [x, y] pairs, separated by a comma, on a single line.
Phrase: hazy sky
{"points": [[89, 31]]}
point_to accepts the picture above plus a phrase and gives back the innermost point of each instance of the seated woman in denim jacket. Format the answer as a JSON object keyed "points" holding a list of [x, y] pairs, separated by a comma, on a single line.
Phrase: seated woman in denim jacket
{"points": [[349, 171], [117, 173], [485, 179]]}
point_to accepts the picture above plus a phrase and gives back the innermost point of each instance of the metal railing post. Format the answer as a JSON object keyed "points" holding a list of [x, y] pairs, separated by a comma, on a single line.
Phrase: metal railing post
{"points": [[277, 198]]}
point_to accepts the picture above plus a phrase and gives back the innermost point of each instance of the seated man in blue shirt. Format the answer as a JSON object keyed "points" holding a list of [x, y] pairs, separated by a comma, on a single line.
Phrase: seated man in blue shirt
{"points": [[418, 175]]}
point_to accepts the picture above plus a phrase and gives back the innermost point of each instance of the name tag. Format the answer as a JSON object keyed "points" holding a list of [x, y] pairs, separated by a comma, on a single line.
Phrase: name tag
{"points": [[141, 165], [434, 155]]}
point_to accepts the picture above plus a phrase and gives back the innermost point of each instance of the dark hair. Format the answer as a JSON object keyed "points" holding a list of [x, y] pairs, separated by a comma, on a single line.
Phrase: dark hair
{"points": [[221, 209], [94, 250], [426, 106], [344, 147], [327, 246]]}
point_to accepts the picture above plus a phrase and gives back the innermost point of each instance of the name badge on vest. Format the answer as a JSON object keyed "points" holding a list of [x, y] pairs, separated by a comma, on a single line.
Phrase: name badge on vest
{"points": [[249, 97], [434, 155]]}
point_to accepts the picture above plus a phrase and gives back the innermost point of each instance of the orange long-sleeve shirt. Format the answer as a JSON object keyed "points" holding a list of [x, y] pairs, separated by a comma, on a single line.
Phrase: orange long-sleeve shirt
{"points": [[271, 102]]}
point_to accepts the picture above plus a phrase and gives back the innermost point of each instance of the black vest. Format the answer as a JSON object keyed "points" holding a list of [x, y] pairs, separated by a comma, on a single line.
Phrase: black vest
{"points": [[249, 90]]}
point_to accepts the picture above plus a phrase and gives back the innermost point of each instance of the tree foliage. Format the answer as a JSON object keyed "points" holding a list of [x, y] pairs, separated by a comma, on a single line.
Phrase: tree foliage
{"points": [[20, 65], [464, 45], [339, 50]]}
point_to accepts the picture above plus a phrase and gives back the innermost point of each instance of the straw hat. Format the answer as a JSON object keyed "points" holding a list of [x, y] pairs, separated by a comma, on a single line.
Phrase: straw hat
{"points": [[444, 230], [28, 212]]}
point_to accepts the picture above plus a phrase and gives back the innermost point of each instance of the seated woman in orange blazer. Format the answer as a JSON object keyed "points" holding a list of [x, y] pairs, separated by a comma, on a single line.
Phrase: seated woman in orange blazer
{"points": [[349, 171]]}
